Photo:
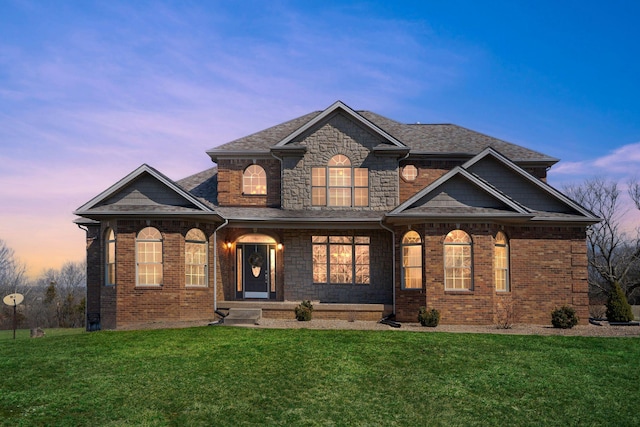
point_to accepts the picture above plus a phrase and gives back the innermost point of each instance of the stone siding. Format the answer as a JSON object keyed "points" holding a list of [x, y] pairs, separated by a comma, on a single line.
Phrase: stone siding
{"points": [[340, 135], [298, 278]]}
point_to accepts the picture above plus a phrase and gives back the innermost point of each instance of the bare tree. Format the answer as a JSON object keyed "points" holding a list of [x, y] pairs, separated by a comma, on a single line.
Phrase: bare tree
{"points": [[12, 279], [614, 254], [62, 295]]}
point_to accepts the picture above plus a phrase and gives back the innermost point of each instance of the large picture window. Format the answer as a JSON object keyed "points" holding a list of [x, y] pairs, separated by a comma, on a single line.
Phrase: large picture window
{"points": [[458, 261], [339, 184], [501, 262], [149, 257], [341, 259], [411, 261], [110, 258], [195, 258], [254, 181]]}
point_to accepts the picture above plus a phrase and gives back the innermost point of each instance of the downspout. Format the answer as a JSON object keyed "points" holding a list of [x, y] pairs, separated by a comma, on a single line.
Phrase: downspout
{"points": [[393, 240], [215, 264], [393, 265]]}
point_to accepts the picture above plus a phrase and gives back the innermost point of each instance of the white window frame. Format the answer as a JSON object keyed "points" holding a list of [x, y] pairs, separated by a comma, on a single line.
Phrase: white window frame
{"points": [[458, 258], [254, 181], [330, 188], [501, 262], [410, 244], [145, 241], [110, 257], [196, 239]]}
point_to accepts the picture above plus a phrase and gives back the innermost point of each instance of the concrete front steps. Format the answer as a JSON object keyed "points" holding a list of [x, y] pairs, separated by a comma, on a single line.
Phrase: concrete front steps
{"points": [[243, 316]]}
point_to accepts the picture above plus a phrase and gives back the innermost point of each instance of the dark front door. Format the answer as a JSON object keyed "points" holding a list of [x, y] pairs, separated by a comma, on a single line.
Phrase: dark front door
{"points": [[255, 271]]}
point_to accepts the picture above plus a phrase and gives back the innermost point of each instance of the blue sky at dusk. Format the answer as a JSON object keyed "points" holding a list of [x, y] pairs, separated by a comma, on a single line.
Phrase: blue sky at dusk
{"points": [[91, 90]]}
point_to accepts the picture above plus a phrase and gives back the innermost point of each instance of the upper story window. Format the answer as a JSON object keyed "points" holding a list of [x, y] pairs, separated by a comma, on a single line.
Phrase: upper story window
{"points": [[254, 181], [110, 258], [339, 184], [501, 262], [411, 261], [149, 257], [195, 258], [409, 172], [457, 261]]}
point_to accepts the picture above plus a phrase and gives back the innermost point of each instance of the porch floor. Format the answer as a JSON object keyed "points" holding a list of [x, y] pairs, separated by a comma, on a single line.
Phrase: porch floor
{"points": [[321, 310]]}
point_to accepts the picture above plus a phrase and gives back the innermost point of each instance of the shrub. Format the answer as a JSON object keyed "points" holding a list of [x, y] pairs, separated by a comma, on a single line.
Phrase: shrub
{"points": [[618, 308], [564, 317], [304, 310], [506, 314], [429, 318]]}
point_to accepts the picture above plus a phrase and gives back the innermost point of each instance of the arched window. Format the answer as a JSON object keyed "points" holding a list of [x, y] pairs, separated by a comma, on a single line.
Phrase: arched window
{"points": [[458, 261], [339, 184], [501, 262], [254, 181], [411, 261], [195, 258], [149, 257], [110, 258]]}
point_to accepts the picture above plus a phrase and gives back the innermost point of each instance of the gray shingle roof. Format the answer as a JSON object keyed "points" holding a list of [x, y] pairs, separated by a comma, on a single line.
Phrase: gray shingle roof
{"points": [[434, 139]]}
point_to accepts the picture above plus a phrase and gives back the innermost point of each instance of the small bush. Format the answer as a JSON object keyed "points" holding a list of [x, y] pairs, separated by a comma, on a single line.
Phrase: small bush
{"points": [[564, 317], [618, 308], [429, 318], [304, 310]]}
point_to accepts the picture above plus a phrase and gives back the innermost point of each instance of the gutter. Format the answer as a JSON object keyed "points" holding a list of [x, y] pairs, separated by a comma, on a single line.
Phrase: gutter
{"points": [[393, 265]]}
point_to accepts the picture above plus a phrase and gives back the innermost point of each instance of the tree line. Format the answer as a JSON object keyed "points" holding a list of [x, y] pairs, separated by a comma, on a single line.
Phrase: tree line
{"points": [[55, 299]]}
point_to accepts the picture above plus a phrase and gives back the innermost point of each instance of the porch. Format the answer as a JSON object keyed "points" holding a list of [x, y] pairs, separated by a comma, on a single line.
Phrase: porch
{"points": [[285, 309]]}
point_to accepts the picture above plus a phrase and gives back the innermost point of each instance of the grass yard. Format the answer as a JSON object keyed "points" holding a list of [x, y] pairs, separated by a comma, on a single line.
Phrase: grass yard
{"points": [[238, 376]]}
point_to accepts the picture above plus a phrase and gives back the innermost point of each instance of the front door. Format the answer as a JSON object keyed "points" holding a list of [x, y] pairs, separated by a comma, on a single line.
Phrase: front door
{"points": [[255, 271]]}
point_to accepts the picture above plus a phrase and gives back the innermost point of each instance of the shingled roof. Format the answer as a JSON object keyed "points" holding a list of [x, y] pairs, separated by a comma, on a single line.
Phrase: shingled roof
{"points": [[421, 139]]}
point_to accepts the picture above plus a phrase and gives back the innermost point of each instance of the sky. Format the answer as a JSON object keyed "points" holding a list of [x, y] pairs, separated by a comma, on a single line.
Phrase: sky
{"points": [[90, 90]]}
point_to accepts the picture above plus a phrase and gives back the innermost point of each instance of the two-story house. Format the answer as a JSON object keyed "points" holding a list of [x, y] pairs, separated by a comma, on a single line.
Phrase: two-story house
{"points": [[362, 215]]}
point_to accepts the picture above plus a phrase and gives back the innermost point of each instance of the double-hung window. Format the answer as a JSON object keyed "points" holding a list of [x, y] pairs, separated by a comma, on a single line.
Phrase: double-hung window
{"points": [[149, 257], [458, 261], [339, 184], [411, 261], [195, 258], [501, 262], [110, 258]]}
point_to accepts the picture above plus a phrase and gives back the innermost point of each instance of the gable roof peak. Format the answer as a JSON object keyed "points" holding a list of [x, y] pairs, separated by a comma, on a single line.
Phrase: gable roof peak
{"points": [[339, 105]]}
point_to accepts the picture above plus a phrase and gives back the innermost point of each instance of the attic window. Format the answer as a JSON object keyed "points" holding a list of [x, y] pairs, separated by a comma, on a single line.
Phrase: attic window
{"points": [[254, 181], [409, 173]]}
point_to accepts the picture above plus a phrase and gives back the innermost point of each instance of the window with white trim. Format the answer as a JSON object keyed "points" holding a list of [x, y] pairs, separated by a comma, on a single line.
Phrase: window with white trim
{"points": [[195, 258], [411, 261], [341, 259], [501, 262], [409, 172], [339, 184], [149, 257], [110, 258], [458, 266], [254, 181]]}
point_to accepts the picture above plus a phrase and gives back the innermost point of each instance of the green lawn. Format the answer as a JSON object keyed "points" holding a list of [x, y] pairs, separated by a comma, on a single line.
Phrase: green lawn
{"points": [[237, 376]]}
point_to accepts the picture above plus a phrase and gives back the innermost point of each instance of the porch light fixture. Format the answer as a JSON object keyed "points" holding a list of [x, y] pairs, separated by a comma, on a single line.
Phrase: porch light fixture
{"points": [[228, 245], [280, 246]]}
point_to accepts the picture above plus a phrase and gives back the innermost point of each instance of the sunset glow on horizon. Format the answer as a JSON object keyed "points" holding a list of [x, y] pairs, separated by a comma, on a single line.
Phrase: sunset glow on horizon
{"points": [[89, 91]]}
